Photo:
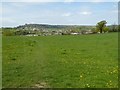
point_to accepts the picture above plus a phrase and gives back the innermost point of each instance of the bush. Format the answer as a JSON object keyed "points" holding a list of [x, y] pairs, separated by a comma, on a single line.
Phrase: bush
{"points": [[8, 33], [105, 29], [94, 30]]}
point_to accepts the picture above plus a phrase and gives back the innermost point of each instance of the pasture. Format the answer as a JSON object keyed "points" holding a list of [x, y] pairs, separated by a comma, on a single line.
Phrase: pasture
{"points": [[68, 61]]}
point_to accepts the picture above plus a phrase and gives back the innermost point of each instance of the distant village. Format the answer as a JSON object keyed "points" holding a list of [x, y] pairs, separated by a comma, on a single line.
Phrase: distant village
{"points": [[45, 30]]}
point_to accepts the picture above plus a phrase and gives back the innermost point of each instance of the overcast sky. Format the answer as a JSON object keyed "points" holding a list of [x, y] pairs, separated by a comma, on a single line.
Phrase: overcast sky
{"points": [[67, 12]]}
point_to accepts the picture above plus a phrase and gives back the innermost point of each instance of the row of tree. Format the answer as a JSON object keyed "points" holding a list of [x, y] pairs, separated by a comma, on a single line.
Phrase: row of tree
{"points": [[100, 27]]}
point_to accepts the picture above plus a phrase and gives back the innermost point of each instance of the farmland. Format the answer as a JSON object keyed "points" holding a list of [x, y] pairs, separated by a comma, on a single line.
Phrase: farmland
{"points": [[61, 61]]}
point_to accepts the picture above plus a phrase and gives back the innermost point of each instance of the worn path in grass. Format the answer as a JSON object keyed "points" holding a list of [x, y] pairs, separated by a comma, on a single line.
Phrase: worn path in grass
{"points": [[61, 61]]}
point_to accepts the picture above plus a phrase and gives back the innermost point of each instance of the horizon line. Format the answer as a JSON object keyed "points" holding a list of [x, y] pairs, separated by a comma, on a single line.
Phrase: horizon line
{"points": [[54, 24]]}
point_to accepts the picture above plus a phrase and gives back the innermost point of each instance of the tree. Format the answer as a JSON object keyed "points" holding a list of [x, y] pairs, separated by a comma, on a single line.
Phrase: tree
{"points": [[94, 30], [8, 31], [113, 27], [101, 25], [105, 29], [118, 28]]}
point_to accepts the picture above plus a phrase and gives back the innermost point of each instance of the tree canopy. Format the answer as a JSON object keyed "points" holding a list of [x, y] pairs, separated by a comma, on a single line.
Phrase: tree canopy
{"points": [[101, 25]]}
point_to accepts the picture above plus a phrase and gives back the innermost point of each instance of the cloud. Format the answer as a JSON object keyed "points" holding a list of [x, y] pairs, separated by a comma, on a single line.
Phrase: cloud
{"points": [[57, 13], [7, 20], [59, 0], [85, 13], [115, 11], [97, 1], [69, 1], [30, 0], [66, 14]]}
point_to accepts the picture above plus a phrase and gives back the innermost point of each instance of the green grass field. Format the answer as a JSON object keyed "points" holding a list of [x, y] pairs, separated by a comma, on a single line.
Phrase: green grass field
{"points": [[0, 61], [83, 61]]}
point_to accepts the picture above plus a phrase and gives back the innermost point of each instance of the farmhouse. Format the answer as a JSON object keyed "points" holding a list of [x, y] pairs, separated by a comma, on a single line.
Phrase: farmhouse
{"points": [[32, 35], [75, 33]]}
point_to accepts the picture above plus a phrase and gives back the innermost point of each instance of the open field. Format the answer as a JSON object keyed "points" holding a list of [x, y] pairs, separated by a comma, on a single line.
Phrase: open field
{"points": [[0, 61], [61, 61]]}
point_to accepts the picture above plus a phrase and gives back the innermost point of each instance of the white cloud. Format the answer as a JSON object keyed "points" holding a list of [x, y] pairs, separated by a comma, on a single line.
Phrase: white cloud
{"points": [[86, 13], [19, 5], [68, 0], [59, 0], [115, 11], [30, 0], [61, 14], [97, 1], [66, 14], [7, 20]]}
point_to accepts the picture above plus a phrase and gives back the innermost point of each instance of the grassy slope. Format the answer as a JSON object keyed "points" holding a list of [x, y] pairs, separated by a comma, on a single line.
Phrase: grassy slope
{"points": [[0, 60], [61, 61]]}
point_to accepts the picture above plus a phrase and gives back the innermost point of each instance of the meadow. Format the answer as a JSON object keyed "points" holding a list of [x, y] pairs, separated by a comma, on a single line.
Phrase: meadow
{"points": [[61, 61]]}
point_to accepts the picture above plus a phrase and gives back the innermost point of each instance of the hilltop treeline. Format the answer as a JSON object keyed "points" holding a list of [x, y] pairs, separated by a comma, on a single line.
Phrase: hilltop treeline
{"points": [[44, 29]]}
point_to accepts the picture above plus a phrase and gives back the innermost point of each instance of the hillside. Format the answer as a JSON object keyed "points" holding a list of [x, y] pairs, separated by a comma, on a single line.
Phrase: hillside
{"points": [[52, 27], [45, 29]]}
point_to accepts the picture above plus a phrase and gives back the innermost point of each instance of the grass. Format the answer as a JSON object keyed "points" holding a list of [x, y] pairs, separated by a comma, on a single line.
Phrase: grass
{"points": [[0, 61], [83, 61]]}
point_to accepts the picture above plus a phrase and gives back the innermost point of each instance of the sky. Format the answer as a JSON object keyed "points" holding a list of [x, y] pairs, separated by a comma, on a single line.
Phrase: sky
{"points": [[67, 12]]}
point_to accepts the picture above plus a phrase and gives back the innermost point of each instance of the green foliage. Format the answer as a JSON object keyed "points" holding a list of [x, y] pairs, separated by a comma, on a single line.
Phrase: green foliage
{"points": [[8, 32], [105, 29], [118, 28], [113, 28], [101, 25], [21, 32], [94, 30]]}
